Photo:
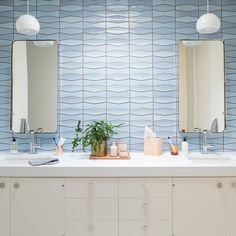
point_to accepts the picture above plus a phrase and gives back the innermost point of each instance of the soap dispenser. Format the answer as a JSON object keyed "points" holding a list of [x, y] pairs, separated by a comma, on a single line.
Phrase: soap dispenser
{"points": [[184, 146], [114, 150], [13, 146]]}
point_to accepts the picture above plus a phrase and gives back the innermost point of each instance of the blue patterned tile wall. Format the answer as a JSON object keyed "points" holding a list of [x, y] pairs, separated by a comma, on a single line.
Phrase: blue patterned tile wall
{"points": [[119, 62]]}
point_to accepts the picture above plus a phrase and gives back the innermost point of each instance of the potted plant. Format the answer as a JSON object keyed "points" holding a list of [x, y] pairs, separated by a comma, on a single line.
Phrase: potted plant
{"points": [[95, 135]]}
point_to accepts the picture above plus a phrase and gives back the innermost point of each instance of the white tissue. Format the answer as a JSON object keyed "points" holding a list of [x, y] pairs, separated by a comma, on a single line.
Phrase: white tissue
{"points": [[148, 133]]}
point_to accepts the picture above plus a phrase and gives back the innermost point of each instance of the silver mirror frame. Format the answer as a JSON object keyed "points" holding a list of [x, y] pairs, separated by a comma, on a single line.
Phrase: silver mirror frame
{"points": [[225, 86], [57, 84]]}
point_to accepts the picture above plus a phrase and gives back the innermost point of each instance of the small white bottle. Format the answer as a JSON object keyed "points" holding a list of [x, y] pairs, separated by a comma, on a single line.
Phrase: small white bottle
{"points": [[13, 146], [113, 150], [184, 146]]}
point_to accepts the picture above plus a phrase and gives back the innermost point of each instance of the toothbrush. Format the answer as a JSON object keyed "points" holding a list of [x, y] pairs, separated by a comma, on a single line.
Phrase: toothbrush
{"points": [[171, 144], [61, 142], [54, 139]]}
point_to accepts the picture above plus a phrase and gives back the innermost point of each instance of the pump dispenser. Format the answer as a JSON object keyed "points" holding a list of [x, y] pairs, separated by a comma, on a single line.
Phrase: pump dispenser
{"points": [[13, 146], [184, 146], [113, 150]]}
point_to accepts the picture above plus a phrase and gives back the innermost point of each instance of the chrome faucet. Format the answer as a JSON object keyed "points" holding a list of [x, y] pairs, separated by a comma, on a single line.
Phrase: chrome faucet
{"points": [[35, 142], [205, 146]]}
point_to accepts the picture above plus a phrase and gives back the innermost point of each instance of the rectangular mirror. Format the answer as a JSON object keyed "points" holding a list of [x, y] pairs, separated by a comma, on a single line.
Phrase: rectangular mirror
{"points": [[201, 86], [34, 86]]}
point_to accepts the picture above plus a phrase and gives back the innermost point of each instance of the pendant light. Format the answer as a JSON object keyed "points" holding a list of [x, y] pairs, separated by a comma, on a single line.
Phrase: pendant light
{"points": [[208, 23], [27, 24]]}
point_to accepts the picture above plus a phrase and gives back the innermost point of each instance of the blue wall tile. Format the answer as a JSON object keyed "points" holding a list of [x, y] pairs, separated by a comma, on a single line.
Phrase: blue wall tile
{"points": [[119, 62]]}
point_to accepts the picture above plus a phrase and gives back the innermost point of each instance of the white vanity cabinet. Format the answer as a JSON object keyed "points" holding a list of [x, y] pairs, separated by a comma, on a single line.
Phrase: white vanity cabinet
{"points": [[91, 206], [145, 206], [5, 206], [199, 206], [37, 207], [158, 206]]}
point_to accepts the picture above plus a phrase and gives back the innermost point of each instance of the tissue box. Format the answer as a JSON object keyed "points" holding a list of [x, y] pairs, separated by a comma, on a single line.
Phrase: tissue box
{"points": [[153, 147]]}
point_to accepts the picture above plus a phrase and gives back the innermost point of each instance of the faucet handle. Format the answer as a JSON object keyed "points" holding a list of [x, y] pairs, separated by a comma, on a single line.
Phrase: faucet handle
{"points": [[39, 130]]}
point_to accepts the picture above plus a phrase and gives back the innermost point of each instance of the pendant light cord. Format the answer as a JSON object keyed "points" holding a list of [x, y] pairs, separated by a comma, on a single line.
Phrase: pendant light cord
{"points": [[207, 6], [27, 7]]}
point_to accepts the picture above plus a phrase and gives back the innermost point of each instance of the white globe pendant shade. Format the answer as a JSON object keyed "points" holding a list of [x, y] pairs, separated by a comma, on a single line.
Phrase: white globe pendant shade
{"points": [[27, 24], [208, 23]]}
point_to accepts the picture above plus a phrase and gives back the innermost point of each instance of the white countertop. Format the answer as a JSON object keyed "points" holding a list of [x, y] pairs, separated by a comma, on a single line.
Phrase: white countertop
{"points": [[78, 165]]}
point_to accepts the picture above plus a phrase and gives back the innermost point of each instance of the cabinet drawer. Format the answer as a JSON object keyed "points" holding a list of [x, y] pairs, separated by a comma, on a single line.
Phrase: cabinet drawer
{"points": [[138, 209], [85, 209], [151, 228], [76, 228], [145, 187], [91, 188]]}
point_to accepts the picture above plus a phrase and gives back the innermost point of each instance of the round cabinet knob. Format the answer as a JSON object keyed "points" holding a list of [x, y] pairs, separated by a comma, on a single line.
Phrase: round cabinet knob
{"points": [[146, 187], [145, 227], [91, 186], [233, 184], [16, 185], [90, 205], [90, 228], [2, 185], [220, 185], [145, 205]]}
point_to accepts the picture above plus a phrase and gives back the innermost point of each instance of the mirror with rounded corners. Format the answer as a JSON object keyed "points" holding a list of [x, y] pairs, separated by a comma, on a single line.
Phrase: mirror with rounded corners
{"points": [[34, 86], [201, 86]]}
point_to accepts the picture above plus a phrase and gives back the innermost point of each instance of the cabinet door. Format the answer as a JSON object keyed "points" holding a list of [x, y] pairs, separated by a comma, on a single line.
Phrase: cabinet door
{"points": [[199, 207], [91, 188], [145, 188], [91, 209], [94, 228], [231, 207], [139, 209], [37, 207], [5, 206], [142, 228]]}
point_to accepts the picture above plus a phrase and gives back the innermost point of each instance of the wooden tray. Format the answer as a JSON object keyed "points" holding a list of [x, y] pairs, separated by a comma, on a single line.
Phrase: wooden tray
{"points": [[109, 157]]}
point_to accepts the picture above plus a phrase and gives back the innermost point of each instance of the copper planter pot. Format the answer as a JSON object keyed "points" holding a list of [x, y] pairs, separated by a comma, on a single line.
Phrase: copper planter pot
{"points": [[102, 151]]}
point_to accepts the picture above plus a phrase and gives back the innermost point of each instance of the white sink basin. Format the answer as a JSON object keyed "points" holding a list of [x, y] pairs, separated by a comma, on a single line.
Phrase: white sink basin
{"points": [[211, 157], [25, 156]]}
